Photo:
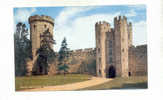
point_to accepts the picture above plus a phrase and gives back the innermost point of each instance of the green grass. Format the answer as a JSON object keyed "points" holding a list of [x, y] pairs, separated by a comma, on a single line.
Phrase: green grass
{"points": [[25, 82], [139, 82]]}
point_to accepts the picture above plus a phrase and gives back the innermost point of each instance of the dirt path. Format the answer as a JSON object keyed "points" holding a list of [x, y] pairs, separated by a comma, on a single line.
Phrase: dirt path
{"points": [[74, 86]]}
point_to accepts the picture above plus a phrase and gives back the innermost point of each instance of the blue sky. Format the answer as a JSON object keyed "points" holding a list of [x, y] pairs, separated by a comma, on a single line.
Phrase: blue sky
{"points": [[77, 23]]}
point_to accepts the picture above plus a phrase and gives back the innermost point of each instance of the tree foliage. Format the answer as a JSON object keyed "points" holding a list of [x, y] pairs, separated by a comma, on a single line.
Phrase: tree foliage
{"points": [[45, 53], [22, 48], [63, 52], [63, 55], [63, 68]]}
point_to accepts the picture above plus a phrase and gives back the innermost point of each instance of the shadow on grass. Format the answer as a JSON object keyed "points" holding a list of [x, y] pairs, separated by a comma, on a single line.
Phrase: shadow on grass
{"points": [[142, 85]]}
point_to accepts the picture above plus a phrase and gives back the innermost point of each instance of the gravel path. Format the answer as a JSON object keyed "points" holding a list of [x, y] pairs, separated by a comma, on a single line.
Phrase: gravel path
{"points": [[74, 86]]}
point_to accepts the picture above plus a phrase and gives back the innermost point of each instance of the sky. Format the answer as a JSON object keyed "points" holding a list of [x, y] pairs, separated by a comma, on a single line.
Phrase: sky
{"points": [[77, 23]]}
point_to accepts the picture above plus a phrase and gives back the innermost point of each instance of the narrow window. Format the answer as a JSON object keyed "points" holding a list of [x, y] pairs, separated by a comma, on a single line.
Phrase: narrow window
{"points": [[45, 26], [110, 52], [110, 60], [34, 26]]}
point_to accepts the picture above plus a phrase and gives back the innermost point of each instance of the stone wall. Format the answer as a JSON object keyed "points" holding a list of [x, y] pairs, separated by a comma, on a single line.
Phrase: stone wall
{"points": [[101, 29], [79, 61], [113, 48], [141, 60], [38, 25], [138, 60], [84, 61]]}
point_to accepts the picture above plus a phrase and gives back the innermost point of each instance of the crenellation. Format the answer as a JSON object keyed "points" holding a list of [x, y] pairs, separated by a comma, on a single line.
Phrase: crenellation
{"points": [[114, 54], [114, 50], [41, 18], [119, 18]]}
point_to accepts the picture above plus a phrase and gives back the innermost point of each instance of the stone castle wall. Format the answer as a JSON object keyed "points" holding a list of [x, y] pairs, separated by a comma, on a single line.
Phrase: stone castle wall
{"points": [[141, 60], [113, 49], [101, 30], [115, 54], [138, 60], [121, 45], [38, 25], [79, 61], [84, 61]]}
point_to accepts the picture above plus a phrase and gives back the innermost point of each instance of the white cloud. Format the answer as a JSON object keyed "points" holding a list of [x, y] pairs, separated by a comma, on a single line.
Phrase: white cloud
{"points": [[131, 13], [80, 32], [69, 12], [140, 33], [137, 7], [22, 15]]}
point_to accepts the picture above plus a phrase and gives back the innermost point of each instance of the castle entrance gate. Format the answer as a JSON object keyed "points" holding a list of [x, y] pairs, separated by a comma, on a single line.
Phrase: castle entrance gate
{"points": [[111, 72]]}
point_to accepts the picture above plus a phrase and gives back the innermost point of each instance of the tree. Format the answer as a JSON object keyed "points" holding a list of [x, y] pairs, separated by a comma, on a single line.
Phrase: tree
{"points": [[45, 53], [63, 55], [22, 47], [63, 68]]}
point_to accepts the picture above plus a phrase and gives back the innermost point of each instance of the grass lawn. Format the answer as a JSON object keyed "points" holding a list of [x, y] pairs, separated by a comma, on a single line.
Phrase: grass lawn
{"points": [[41, 81], [138, 82]]}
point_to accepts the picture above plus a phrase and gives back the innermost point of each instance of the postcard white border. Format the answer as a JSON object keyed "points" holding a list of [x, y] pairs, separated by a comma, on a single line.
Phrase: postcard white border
{"points": [[155, 68]]}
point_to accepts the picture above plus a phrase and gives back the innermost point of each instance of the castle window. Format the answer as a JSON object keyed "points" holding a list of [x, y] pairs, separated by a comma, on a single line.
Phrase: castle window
{"points": [[34, 26], [98, 49], [45, 26], [110, 41], [110, 52], [123, 50], [100, 72], [110, 44], [110, 60], [100, 59]]}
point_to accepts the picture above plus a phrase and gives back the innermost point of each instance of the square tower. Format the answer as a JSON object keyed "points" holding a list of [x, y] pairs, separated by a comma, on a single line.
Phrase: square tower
{"points": [[112, 48], [121, 46], [101, 29]]}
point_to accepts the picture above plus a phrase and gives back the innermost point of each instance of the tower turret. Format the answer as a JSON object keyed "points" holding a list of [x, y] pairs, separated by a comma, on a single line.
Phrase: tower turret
{"points": [[101, 29], [121, 46], [38, 25]]}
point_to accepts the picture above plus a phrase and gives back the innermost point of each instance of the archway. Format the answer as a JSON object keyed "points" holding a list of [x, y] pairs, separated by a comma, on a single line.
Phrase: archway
{"points": [[111, 72], [129, 73], [40, 69]]}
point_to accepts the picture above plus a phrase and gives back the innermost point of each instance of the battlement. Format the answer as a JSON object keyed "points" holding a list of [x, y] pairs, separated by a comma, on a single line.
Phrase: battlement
{"points": [[120, 19], [41, 18], [140, 49], [141, 46], [83, 52], [102, 23], [130, 24], [112, 29]]}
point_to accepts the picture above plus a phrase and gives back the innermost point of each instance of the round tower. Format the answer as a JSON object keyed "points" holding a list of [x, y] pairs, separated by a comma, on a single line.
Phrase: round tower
{"points": [[38, 25]]}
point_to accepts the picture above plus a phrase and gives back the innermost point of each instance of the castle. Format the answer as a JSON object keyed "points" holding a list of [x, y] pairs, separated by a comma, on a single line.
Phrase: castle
{"points": [[113, 56], [114, 49]]}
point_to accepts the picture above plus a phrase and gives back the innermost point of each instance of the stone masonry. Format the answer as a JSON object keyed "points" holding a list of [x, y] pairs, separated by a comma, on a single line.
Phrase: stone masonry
{"points": [[38, 25], [113, 56]]}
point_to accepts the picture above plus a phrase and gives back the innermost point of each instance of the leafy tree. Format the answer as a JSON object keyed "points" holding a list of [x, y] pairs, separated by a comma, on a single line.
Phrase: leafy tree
{"points": [[63, 55], [45, 53], [22, 46]]}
